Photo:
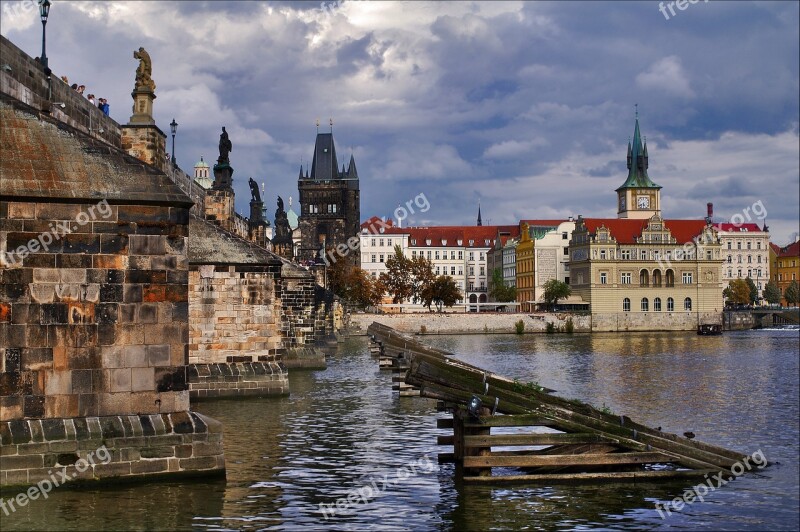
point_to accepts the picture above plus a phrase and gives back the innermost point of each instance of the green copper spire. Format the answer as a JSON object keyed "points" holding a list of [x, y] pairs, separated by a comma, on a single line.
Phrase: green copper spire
{"points": [[637, 162]]}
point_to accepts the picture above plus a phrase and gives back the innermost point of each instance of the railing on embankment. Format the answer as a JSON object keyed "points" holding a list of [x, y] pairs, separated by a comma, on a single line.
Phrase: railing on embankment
{"points": [[558, 440]]}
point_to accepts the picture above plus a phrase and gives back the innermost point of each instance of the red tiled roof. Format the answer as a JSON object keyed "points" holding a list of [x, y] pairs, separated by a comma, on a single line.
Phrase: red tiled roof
{"points": [[625, 231], [733, 228], [553, 223], [479, 235], [792, 250], [776, 248]]}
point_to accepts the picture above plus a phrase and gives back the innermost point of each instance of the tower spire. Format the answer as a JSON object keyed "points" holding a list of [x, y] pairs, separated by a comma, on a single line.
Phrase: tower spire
{"points": [[480, 222]]}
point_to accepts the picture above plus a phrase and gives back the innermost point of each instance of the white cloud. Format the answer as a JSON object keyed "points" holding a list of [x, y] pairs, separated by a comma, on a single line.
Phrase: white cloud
{"points": [[666, 75]]}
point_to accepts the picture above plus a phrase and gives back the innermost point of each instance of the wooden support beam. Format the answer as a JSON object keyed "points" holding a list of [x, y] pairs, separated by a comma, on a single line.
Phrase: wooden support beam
{"points": [[551, 438], [566, 460]]}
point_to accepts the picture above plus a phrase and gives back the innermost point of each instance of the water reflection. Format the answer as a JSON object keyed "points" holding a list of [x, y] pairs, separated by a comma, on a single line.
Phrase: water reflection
{"points": [[342, 429]]}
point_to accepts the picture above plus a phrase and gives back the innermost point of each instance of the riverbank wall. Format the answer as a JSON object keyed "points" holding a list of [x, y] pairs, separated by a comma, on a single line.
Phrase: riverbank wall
{"points": [[468, 323]]}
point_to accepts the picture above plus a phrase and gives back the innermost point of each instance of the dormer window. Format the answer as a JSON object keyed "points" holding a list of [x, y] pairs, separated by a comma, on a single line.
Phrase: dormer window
{"points": [[413, 241], [444, 241], [460, 242], [427, 241], [471, 242]]}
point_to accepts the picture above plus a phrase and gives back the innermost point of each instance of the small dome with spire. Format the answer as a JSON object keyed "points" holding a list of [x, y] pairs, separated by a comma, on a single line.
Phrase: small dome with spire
{"points": [[202, 174]]}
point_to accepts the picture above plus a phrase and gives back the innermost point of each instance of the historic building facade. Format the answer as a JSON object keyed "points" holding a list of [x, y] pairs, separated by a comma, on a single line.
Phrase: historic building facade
{"points": [[745, 253], [330, 204], [542, 254], [460, 252]]}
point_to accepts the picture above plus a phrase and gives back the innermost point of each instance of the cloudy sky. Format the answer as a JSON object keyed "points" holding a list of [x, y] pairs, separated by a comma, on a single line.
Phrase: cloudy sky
{"points": [[525, 106]]}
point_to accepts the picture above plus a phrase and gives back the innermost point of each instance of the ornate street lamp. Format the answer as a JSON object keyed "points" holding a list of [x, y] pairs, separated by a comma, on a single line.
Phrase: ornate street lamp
{"points": [[44, 11], [173, 126]]}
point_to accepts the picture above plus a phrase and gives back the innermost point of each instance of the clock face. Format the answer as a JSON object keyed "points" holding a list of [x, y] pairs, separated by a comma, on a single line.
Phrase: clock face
{"points": [[622, 203], [643, 202]]}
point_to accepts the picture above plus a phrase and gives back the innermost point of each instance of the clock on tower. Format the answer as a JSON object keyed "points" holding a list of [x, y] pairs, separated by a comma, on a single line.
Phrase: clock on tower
{"points": [[643, 202]]}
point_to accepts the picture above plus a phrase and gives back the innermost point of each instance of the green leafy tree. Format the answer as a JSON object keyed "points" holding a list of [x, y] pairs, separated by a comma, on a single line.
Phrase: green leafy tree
{"points": [[397, 278], [442, 292], [792, 294], [555, 290], [737, 292], [499, 290], [772, 293], [753, 295]]}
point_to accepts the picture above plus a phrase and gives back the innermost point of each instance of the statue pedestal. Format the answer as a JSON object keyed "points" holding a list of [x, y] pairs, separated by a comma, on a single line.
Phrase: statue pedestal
{"points": [[223, 177], [142, 107]]}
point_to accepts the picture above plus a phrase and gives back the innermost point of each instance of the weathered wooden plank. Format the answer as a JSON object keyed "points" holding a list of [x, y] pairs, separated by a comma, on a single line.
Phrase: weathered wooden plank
{"points": [[525, 420], [551, 438], [566, 460], [577, 478]]}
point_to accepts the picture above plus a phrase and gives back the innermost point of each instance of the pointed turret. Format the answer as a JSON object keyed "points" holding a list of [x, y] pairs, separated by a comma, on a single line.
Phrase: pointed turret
{"points": [[480, 222], [637, 163], [301, 172], [352, 173], [325, 166]]}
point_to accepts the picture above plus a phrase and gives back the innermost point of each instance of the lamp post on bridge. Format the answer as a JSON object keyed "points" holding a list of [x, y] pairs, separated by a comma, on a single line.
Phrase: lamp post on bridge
{"points": [[44, 12], [173, 126]]}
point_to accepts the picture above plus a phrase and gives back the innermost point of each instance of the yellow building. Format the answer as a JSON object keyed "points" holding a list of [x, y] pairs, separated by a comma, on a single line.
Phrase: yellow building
{"points": [[787, 260], [526, 275], [647, 274]]}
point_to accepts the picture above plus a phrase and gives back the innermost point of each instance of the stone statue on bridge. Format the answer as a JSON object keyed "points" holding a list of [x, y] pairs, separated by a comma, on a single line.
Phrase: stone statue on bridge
{"points": [[256, 195], [144, 80], [225, 147]]}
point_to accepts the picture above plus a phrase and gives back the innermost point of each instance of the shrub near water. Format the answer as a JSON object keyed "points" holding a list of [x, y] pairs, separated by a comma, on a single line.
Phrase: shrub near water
{"points": [[569, 327], [551, 328], [520, 327]]}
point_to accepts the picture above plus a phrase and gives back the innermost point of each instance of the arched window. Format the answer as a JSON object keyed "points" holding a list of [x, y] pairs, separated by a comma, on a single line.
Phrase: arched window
{"points": [[645, 304], [644, 278], [687, 303], [670, 278], [626, 305], [670, 304], [657, 278], [657, 304]]}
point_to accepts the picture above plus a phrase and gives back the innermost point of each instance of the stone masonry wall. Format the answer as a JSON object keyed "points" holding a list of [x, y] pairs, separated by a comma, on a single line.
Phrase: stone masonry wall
{"points": [[236, 345], [119, 447], [232, 313], [300, 315], [97, 324]]}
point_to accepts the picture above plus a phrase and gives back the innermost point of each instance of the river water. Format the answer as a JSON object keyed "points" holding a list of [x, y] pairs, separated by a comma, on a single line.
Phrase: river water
{"points": [[343, 429]]}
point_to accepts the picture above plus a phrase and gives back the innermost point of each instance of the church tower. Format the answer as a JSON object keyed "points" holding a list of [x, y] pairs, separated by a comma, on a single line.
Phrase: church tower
{"points": [[638, 197], [330, 205]]}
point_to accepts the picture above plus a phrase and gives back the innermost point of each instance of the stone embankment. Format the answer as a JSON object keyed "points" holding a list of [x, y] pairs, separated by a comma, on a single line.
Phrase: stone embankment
{"points": [[468, 323]]}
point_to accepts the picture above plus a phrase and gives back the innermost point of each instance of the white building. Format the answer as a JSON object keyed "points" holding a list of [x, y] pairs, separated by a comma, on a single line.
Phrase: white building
{"points": [[460, 252], [745, 253]]}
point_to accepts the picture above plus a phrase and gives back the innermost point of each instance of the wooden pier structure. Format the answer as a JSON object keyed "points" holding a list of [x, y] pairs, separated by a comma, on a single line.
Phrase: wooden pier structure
{"points": [[504, 431]]}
